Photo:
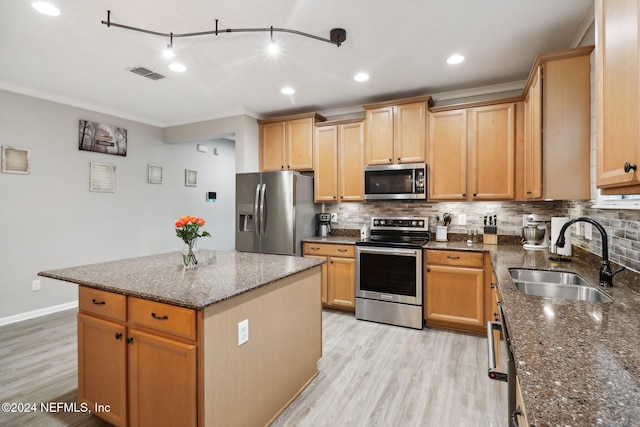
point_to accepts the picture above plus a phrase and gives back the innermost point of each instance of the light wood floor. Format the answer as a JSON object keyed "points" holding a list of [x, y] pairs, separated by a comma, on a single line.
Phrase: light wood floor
{"points": [[370, 375]]}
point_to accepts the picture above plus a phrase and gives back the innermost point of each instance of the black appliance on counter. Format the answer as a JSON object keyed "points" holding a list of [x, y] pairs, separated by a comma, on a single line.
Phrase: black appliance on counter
{"points": [[389, 271]]}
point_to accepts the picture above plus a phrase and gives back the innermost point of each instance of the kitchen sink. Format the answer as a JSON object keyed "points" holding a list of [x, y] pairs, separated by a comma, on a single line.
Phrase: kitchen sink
{"points": [[556, 284]]}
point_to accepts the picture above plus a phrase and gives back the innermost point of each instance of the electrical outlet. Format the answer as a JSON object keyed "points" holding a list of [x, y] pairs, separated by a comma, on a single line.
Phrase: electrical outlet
{"points": [[334, 217], [462, 219], [35, 285], [243, 332], [588, 230]]}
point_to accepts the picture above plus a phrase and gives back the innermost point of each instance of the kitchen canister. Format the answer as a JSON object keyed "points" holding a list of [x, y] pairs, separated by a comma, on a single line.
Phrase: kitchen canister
{"points": [[556, 224], [441, 233], [365, 232]]}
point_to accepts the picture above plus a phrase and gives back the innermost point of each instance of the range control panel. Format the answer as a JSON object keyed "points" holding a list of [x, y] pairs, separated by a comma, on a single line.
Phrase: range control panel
{"points": [[404, 223]]}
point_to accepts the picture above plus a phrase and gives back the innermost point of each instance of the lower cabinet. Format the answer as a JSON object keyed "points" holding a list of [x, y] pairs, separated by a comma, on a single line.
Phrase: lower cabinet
{"points": [[456, 290], [520, 414], [134, 367], [338, 273]]}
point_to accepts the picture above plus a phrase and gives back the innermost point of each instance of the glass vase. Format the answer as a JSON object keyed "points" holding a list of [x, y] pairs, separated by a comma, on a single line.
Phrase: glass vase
{"points": [[190, 255]]}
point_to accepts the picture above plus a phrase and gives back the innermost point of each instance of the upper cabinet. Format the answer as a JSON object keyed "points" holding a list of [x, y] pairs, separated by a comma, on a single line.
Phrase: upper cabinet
{"points": [[557, 127], [472, 153], [286, 143], [338, 161], [618, 102], [396, 131]]}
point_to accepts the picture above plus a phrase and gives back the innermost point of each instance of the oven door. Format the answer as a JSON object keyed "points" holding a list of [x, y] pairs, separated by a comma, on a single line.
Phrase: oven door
{"points": [[389, 274]]}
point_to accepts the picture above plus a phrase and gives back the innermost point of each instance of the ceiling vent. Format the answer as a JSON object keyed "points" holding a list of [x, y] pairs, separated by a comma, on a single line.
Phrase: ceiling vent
{"points": [[145, 72]]}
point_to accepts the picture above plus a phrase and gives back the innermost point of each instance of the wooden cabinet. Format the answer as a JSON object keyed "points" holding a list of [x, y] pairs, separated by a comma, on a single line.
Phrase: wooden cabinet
{"points": [[618, 103], [340, 273], [286, 143], [557, 126], [521, 413], [396, 131], [138, 357], [338, 161], [472, 153], [455, 290]]}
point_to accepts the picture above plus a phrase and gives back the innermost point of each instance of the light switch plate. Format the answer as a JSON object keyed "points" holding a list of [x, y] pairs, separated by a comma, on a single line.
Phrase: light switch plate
{"points": [[243, 332], [462, 219], [588, 231]]}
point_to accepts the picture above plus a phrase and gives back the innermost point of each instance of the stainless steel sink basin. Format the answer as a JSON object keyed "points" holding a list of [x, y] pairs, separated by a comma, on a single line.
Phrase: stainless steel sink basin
{"points": [[556, 284]]}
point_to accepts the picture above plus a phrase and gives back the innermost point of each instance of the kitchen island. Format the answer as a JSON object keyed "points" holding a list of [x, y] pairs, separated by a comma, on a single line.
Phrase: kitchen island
{"points": [[159, 345], [578, 362]]}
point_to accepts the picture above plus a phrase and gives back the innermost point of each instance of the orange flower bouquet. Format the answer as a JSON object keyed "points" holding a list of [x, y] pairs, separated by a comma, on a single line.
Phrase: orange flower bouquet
{"points": [[188, 229]]}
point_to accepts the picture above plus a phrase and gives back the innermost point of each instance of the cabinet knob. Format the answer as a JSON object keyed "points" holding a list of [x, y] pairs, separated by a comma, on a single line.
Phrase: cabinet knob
{"points": [[282, 167], [391, 160], [118, 336], [288, 167], [398, 159], [464, 194], [334, 197], [494, 285], [428, 270], [130, 340], [475, 194], [628, 167]]}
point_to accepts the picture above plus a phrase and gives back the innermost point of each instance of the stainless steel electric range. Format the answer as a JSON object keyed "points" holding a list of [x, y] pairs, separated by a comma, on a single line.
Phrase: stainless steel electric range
{"points": [[389, 271]]}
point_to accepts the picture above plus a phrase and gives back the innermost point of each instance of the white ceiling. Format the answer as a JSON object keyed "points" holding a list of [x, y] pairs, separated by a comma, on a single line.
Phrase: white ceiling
{"points": [[402, 44]]}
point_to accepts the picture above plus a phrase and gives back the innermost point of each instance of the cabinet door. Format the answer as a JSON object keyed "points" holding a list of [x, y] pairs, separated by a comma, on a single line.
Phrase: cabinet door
{"points": [[448, 155], [410, 133], [492, 152], [326, 164], [533, 139], [272, 137], [325, 277], [379, 136], [102, 369], [162, 381], [617, 86], [351, 162], [454, 297], [341, 283], [299, 144]]}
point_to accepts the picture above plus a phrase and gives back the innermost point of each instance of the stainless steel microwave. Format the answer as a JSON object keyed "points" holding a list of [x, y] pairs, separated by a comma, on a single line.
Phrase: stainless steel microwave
{"points": [[395, 182]]}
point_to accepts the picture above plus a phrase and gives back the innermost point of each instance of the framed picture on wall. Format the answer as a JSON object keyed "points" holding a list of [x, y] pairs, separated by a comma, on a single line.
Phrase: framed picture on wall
{"points": [[15, 160], [102, 138], [190, 178], [103, 178], [155, 174]]}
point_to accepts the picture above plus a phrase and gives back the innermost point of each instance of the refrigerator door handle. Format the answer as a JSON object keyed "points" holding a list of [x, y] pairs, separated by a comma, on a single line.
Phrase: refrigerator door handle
{"points": [[263, 221], [256, 218]]}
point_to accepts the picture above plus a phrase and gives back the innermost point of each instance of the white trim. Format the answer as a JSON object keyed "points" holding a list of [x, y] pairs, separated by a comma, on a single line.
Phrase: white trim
{"points": [[619, 204], [37, 313], [587, 22]]}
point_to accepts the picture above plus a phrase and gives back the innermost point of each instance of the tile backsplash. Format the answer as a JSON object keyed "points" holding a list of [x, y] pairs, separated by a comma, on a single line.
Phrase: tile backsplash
{"points": [[622, 226]]}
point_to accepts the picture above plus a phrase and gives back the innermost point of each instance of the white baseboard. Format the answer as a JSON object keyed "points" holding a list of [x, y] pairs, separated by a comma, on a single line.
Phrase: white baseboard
{"points": [[37, 313]]}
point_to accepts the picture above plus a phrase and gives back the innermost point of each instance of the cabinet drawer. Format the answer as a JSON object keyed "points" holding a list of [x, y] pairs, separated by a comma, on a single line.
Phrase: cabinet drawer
{"points": [[174, 320], [457, 258], [103, 303], [327, 249]]}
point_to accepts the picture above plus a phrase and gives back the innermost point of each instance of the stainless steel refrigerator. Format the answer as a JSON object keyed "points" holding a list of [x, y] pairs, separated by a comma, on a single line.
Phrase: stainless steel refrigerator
{"points": [[274, 211]]}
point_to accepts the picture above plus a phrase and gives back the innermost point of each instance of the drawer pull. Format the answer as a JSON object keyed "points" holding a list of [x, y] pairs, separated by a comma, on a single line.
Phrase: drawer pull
{"points": [[96, 302], [118, 336], [315, 248], [342, 250], [452, 257], [155, 316]]}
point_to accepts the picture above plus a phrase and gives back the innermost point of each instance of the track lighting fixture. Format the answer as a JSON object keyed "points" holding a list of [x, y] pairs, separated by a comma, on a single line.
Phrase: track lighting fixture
{"points": [[337, 36]]}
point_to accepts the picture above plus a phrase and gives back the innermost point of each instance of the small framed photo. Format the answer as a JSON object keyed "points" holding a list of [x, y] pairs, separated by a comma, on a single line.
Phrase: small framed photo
{"points": [[15, 160], [155, 174], [190, 178], [103, 178]]}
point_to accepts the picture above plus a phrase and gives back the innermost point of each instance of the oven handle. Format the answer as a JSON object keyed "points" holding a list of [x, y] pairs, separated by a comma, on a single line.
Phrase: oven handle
{"points": [[494, 373], [388, 251]]}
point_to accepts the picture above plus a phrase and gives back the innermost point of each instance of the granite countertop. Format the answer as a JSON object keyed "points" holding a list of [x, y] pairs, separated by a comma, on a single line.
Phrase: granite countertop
{"points": [[344, 240], [219, 276], [578, 362]]}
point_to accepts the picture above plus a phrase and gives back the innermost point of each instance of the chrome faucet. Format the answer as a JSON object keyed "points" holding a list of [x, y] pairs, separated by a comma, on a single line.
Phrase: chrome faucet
{"points": [[606, 274]]}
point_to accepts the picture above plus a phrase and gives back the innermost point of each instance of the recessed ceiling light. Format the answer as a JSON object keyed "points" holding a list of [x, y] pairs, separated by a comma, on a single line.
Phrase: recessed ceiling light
{"points": [[46, 8], [288, 90], [176, 66], [361, 77], [455, 59]]}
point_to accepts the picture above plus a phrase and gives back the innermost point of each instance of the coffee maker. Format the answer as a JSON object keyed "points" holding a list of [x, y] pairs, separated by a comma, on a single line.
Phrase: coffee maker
{"points": [[323, 224]]}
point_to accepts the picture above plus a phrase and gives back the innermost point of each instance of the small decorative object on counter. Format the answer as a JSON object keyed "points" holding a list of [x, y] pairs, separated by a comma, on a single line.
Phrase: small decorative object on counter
{"points": [[188, 229], [490, 236]]}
